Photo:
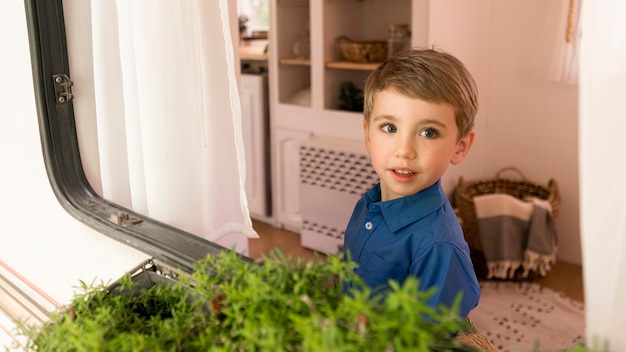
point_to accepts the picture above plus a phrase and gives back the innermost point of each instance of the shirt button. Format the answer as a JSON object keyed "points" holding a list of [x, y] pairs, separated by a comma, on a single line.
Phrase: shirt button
{"points": [[368, 225]]}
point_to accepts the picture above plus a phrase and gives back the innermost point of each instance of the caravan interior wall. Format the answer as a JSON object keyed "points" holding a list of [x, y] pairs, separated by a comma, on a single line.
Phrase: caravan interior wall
{"points": [[38, 238]]}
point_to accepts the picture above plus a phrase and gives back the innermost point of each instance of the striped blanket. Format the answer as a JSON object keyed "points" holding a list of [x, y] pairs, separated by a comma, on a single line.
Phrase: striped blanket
{"points": [[515, 233]]}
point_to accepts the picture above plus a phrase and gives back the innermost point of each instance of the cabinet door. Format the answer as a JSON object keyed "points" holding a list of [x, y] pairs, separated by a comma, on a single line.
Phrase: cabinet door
{"points": [[287, 186], [254, 121]]}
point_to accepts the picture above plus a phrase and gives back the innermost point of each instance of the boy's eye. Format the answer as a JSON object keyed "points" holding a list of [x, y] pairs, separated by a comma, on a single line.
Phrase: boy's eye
{"points": [[389, 128], [430, 133]]}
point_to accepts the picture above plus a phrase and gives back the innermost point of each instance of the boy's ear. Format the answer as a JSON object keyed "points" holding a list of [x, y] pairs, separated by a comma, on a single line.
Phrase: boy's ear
{"points": [[463, 147]]}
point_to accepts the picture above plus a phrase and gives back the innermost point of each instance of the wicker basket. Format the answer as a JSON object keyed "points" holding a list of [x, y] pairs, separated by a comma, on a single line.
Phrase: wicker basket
{"points": [[362, 51], [476, 339], [520, 188]]}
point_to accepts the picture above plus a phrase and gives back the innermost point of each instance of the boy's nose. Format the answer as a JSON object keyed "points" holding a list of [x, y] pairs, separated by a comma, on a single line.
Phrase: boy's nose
{"points": [[405, 149]]}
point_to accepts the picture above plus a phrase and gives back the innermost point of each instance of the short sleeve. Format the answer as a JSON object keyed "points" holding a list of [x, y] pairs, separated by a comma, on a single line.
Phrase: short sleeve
{"points": [[448, 268]]}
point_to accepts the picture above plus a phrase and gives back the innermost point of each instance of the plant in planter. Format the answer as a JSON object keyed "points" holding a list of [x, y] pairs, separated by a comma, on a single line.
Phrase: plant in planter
{"points": [[227, 304], [243, 24], [350, 97]]}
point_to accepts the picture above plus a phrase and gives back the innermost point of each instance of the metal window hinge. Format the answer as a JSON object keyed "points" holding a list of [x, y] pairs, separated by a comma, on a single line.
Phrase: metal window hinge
{"points": [[63, 88], [123, 218]]}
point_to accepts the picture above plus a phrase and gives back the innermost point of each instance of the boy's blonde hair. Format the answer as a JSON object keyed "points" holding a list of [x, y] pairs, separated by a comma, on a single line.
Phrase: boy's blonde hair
{"points": [[429, 75]]}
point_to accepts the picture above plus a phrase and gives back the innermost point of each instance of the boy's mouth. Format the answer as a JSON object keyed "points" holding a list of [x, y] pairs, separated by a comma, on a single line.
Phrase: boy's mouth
{"points": [[403, 172]]}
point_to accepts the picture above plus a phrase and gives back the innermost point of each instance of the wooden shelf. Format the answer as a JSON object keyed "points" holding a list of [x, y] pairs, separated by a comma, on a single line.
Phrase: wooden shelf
{"points": [[253, 57], [295, 61], [253, 50], [347, 65]]}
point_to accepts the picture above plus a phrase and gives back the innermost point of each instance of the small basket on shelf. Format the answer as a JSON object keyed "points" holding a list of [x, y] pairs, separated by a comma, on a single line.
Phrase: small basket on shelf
{"points": [[362, 51], [520, 188]]}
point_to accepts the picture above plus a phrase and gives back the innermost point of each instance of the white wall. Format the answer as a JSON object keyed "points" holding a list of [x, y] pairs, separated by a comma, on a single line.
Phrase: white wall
{"points": [[533, 123], [602, 171], [38, 238], [524, 121]]}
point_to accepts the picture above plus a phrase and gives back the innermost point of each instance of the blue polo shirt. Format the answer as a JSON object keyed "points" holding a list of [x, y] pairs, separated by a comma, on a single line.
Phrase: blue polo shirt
{"points": [[417, 235]]}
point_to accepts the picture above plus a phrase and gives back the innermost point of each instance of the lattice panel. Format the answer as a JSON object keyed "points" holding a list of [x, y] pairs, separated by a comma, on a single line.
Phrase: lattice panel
{"points": [[336, 170], [323, 229]]}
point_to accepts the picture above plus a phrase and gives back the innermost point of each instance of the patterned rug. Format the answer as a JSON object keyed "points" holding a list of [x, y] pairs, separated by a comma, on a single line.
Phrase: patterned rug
{"points": [[516, 316]]}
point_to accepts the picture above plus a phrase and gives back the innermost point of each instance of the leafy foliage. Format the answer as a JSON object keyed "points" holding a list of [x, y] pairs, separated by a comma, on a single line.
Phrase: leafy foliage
{"points": [[226, 304], [350, 97]]}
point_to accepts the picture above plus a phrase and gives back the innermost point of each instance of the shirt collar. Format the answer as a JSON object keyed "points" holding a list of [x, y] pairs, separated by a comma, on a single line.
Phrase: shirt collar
{"points": [[401, 212]]}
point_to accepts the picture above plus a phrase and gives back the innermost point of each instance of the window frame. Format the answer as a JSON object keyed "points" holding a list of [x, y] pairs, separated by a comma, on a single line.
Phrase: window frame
{"points": [[59, 141]]}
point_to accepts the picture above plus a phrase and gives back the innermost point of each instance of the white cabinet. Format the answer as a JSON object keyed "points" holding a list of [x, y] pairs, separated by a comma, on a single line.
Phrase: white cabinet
{"points": [[254, 119], [334, 174], [287, 177], [304, 91]]}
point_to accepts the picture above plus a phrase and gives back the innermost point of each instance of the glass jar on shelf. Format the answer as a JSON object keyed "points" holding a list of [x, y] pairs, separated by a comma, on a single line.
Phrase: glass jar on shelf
{"points": [[302, 46], [398, 38]]}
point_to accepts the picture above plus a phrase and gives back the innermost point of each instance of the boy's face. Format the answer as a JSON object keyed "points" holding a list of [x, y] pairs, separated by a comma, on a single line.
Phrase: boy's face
{"points": [[412, 142]]}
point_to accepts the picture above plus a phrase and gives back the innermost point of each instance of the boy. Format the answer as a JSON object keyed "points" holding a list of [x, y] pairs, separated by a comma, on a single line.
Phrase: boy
{"points": [[419, 117]]}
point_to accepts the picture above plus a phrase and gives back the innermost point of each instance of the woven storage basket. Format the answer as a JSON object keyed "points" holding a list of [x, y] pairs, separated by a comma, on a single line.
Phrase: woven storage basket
{"points": [[520, 188], [362, 51], [476, 339]]}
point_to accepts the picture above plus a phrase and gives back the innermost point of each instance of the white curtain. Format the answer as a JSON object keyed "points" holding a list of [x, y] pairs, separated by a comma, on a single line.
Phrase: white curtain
{"points": [[168, 113], [556, 51], [602, 171]]}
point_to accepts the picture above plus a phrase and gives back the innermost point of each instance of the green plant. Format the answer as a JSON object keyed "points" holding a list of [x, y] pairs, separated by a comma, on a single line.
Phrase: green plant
{"points": [[581, 347], [243, 23], [350, 97], [226, 304]]}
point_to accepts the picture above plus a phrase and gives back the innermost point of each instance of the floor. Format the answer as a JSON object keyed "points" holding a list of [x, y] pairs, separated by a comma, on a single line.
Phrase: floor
{"points": [[564, 277]]}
